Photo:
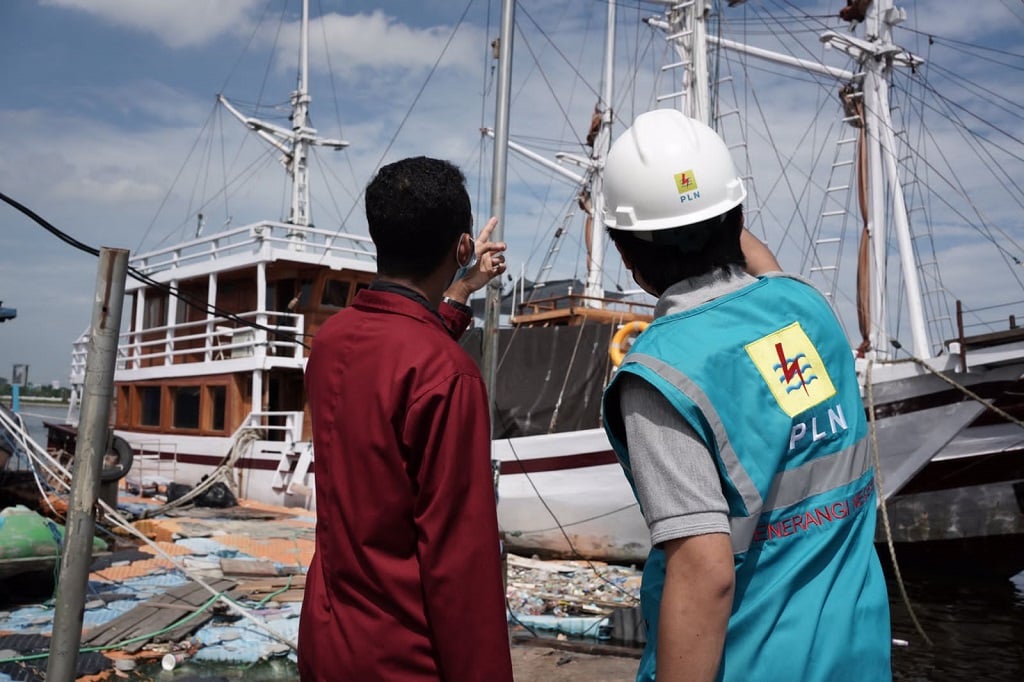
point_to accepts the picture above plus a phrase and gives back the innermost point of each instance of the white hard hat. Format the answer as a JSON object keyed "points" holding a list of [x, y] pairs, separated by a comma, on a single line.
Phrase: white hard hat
{"points": [[668, 170]]}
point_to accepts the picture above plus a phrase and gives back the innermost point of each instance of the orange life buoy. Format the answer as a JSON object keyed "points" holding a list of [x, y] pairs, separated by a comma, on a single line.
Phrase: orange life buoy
{"points": [[623, 339]]}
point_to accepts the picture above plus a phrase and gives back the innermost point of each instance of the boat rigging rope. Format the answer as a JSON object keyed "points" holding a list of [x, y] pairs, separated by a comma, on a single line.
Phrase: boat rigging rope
{"points": [[565, 380], [115, 518], [963, 389], [14, 431], [882, 504], [242, 441], [568, 540], [47, 471]]}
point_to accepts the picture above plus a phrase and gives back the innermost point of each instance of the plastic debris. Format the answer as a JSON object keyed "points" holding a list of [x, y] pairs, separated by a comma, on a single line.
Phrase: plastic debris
{"points": [[571, 597]]}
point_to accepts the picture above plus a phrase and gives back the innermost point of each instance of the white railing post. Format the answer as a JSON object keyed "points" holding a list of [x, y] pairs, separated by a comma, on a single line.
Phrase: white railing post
{"points": [[300, 329]]}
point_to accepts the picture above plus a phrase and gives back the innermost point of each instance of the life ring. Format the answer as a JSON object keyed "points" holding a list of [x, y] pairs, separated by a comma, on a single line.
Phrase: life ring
{"points": [[125, 457], [623, 339]]}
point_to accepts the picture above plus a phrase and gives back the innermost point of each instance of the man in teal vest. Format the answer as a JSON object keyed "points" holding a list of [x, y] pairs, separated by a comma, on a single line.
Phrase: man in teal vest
{"points": [[738, 421]]}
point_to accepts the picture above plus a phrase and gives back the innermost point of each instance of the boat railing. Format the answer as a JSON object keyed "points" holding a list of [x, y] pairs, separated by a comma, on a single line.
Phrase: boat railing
{"points": [[555, 308], [985, 337], [250, 239], [29, 455], [79, 353], [277, 426], [155, 463], [275, 334]]}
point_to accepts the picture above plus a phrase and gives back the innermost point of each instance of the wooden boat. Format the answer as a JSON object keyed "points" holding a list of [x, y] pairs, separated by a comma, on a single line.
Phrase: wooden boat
{"points": [[209, 373]]}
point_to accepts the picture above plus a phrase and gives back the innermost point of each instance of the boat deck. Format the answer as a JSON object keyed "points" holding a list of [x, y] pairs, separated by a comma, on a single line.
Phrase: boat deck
{"points": [[145, 607], [137, 599], [990, 339]]}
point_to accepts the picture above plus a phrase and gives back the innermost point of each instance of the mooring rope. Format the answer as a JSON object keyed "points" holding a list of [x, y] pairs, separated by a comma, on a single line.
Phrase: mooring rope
{"points": [[884, 508], [968, 392]]}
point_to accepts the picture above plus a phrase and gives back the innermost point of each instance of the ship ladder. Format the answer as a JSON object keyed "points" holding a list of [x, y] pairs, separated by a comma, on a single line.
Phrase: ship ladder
{"points": [[292, 469], [833, 220]]}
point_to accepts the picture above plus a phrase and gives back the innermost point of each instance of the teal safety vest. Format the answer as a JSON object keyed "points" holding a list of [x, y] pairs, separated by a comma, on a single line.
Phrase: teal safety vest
{"points": [[765, 377]]}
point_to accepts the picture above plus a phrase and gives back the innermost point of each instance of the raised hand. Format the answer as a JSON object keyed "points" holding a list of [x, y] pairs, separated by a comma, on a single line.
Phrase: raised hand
{"points": [[490, 263]]}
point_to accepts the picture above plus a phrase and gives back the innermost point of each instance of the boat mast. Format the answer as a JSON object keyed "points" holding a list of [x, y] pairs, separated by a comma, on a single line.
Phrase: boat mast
{"points": [[293, 144], [297, 168], [882, 16], [877, 54], [593, 166], [499, 175], [698, 89], [602, 143]]}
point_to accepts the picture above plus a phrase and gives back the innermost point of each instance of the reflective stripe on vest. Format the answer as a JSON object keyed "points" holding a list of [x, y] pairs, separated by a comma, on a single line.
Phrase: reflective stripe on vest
{"points": [[788, 487]]}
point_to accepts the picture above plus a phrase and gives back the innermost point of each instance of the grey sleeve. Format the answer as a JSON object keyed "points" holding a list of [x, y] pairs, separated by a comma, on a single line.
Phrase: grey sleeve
{"points": [[675, 475]]}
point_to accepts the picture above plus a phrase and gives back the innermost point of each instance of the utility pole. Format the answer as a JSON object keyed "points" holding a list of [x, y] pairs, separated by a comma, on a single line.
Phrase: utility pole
{"points": [[93, 438]]}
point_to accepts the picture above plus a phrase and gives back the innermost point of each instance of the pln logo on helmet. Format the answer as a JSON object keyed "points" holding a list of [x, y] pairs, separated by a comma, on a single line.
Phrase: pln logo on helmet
{"points": [[686, 185]]}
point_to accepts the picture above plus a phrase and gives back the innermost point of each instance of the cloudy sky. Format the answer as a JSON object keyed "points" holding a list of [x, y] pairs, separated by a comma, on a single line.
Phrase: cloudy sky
{"points": [[108, 127]]}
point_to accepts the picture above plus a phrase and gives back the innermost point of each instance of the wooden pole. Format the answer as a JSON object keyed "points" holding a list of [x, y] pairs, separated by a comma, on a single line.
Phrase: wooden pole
{"points": [[93, 438]]}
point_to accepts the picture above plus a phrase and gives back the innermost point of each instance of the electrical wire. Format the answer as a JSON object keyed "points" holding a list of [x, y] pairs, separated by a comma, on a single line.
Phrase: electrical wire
{"points": [[146, 279]]}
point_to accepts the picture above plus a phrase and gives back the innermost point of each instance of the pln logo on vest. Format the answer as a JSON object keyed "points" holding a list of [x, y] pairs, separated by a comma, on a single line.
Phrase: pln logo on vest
{"points": [[792, 368]]}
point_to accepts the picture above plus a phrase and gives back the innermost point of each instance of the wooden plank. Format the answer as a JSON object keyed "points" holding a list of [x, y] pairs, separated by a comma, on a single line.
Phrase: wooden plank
{"points": [[248, 567], [264, 585], [291, 596], [288, 589], [155, 615], [195, 599]]}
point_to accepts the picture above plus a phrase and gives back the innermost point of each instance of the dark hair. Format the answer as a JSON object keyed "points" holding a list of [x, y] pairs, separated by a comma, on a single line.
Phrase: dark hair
{"points": [[684, 252], [416, 208]]}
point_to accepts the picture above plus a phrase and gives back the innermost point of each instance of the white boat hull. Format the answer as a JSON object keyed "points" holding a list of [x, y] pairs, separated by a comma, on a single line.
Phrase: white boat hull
{"points": [[564, 494]]}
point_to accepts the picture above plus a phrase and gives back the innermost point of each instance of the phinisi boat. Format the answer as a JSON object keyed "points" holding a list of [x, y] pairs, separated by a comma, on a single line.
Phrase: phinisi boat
{"points": [[210, 370]]}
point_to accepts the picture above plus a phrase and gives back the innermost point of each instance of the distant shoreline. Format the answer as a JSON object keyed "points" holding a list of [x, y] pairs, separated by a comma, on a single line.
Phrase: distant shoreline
{"points": [[34, 400]]}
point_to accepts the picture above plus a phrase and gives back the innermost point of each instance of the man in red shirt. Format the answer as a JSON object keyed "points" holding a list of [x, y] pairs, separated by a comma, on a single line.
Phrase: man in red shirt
{"points": [[405, 582]]}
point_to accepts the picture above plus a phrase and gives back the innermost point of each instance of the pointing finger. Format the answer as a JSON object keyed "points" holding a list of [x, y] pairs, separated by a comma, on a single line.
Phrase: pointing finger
{"points": [[485, 234]]}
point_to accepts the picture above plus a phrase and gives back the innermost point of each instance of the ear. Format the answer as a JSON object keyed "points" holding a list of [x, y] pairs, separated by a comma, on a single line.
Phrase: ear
{"points": [[464, 249]]}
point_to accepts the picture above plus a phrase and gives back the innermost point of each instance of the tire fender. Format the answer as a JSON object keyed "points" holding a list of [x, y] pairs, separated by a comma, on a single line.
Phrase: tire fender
{"points": [[125, 457]]}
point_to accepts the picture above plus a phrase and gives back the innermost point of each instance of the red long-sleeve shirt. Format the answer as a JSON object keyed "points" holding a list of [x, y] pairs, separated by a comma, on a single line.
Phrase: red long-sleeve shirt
{"points": [[405, 582]]}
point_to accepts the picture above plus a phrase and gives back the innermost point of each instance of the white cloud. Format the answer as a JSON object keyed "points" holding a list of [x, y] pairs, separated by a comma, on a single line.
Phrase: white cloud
{"points": [[181, 23], [101, 173], [376, 42], [78, 159]]}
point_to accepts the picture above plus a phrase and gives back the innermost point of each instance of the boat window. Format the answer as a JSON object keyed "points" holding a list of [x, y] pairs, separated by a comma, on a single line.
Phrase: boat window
{"points": [[192, 307], [149, 405], [186, 407], [236, 295], [156, 311], [123, 406], [335, 293], [296, 292], [218, 402]]}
